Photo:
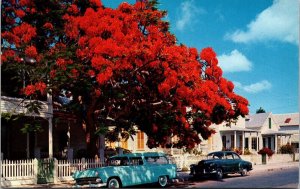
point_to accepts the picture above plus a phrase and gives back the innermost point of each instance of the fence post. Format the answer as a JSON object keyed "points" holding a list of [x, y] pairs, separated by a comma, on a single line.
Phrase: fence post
{"points": [[55, 171], [35, 170]]}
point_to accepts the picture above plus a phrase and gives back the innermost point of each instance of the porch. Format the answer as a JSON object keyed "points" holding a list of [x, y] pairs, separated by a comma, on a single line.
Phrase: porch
{"points": [[241, 139], [235, 138]]}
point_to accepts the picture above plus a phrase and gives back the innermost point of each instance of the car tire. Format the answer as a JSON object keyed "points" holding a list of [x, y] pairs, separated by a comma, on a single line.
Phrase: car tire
{"points": [[114, 183], [162, 181], [219, 174], [243, 171]]}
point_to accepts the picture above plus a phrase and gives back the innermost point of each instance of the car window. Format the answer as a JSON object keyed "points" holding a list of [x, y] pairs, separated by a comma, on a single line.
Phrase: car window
{"points": [[215, 156], [157, 160], [119, 161], [229, 156], [136, 161], [235, 156]]}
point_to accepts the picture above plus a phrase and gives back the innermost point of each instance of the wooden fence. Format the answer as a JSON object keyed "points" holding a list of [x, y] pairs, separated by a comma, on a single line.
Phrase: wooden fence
{"points": [[65, 168], [18, 172]]}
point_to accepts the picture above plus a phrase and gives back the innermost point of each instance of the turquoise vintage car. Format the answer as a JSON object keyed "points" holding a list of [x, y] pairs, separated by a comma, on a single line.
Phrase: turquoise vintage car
{"points": [[129, 170]]}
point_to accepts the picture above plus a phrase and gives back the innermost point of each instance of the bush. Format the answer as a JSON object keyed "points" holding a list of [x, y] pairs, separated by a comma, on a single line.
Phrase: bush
{"points": [[266, 151], [247, 152], [238, 151], [184, 169], [287, 149]]}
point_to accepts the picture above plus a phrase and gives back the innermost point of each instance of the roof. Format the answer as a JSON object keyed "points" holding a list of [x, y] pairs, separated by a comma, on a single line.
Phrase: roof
{"points": [[236, 128], [290, 119], [256, 120]]}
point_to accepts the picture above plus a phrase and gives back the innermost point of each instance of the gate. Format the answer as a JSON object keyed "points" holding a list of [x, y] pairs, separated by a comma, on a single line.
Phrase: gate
{"points": [[45, 172]]}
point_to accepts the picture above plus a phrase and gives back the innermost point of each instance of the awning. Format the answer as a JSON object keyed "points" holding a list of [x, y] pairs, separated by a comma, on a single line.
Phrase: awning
{"points": [[276, 133]]}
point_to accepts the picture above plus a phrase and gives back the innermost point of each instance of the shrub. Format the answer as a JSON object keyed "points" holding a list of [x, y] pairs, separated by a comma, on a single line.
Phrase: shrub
{"points": [[266, 151], [287, 149], [238, 151], [184, 169], [247, 152]]}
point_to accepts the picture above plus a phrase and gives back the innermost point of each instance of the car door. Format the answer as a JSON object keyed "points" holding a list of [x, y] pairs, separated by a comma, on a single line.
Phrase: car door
{"points": [[137, 170], [229, 162], [237, 161]]}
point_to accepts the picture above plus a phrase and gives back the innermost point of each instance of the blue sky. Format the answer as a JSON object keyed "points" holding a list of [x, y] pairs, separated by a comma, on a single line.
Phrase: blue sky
{"points": [[257, 43]]}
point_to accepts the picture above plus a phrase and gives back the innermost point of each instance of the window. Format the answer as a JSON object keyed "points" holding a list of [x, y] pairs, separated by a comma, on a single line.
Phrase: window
{"points": [[254, 143], [270, 123], [119, 161], [157, 160], [140, 140], [124, 144], [235, 156], [136, 161], [246, 142], [229, 156], [224, 141]]}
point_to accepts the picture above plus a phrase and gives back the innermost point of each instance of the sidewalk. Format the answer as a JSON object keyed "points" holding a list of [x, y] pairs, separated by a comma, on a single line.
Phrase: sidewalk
{"points": [[183, 176], [274, 166]]}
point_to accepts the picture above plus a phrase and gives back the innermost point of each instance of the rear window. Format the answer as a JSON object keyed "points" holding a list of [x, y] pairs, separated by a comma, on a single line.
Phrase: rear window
{"points": [[156, 160], [119, 161], [136, 161]]}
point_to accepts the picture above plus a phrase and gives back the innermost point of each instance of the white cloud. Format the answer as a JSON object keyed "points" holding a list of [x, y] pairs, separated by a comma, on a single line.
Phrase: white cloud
{"points": [[234, 62], [255, 87], [188, 12], [278, 22]]}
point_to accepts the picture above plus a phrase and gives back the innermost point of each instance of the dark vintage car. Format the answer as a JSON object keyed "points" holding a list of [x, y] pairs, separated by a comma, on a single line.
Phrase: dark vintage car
{"points": [[219, 164]]}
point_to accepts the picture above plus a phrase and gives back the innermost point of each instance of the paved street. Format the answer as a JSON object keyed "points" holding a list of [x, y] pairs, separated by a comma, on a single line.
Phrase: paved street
{"points": [[280, 175], [269, 178]]}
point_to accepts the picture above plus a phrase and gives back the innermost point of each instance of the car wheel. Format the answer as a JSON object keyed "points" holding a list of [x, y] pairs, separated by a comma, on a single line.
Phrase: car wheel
{"points": [[243, 171], [219, 174], [113, 183], [163, 181]]}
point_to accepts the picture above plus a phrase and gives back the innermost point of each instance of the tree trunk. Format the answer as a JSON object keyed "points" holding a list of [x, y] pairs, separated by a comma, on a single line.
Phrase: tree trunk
{"points": [[91, 137]]}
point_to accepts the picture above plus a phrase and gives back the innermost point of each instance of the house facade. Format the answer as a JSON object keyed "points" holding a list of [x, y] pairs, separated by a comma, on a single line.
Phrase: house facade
{"points": [[255, 132], [289, 123], [61, 136]]}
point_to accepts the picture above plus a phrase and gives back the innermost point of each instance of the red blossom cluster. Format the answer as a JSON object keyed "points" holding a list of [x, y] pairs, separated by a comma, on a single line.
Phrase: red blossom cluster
{"points": [[266, 151], [128, 61], [37, 87]]}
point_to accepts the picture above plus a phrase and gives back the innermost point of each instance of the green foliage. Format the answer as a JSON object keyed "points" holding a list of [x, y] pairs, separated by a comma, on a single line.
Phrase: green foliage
{"points": [[192, 151], [247, 152], [102, 130], [34, 106], [6, 116], [36, 127], [260, 110]]}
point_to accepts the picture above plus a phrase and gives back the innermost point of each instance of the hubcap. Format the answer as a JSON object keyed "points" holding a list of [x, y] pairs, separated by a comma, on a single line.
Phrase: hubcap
{"points": [[113, 184], [163, 180]]}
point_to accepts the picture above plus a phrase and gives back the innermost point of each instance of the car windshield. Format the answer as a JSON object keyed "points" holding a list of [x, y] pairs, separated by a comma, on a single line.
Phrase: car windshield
{"points": [[215, 156], [119, 161]]}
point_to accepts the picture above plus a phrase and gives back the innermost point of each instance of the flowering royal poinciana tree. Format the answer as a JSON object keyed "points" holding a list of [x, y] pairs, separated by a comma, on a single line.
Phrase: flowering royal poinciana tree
{"points": [[124, 68]]}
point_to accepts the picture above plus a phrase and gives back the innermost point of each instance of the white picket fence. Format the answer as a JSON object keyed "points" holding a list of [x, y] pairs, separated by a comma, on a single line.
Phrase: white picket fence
{"points": [[18, 172], [65, 168]]}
